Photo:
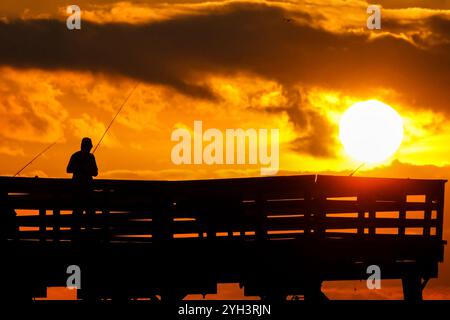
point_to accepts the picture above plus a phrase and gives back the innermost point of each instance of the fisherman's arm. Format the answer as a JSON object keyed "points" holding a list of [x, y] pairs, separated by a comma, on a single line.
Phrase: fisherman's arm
{"points": [[71, 165], [94, 167]]}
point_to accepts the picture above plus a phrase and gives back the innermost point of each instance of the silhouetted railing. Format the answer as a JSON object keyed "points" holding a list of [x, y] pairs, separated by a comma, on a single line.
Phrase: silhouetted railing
{"points": [[266, 208], [336, 224]]}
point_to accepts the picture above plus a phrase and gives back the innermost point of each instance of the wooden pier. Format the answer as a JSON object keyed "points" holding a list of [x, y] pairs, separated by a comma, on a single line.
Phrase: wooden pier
{"points": [[276, 236]]}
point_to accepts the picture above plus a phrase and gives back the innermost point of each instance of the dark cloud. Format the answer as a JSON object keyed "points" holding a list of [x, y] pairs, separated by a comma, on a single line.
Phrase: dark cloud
{"points": [[14, 8], [440, 25], [315, 132], [241, 37], [318, 139], [254, 38], [425, 33], [399, 4]]}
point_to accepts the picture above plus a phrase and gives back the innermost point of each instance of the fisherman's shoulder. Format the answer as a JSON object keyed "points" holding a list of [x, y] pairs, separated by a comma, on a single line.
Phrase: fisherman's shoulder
{"points": [[76, 155]]}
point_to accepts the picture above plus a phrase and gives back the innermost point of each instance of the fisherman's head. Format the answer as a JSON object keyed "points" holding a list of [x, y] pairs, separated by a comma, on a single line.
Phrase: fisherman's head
{"points": [[86, 144]]}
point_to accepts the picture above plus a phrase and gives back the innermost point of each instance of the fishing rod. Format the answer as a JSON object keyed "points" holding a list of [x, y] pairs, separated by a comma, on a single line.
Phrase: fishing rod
{"points": [[37, 156], [354, 171], [98, 144], [113, 119]]}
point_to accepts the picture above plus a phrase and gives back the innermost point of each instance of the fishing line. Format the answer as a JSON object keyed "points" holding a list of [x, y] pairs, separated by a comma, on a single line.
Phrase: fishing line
{"points": [[37, 156], [98, 144], [113, 119], [354, 171]]}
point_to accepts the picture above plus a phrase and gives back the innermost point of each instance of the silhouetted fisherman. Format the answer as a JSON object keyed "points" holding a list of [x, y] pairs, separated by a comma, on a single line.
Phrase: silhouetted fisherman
{"points": [[83, 166], [82, 163]]}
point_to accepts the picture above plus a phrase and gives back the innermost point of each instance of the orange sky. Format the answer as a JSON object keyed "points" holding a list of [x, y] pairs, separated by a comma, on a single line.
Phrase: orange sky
{"points": [[291, 65]]}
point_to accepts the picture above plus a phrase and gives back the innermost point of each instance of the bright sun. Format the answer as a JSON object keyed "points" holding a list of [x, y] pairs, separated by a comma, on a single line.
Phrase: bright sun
{"points": [[371, 131]]}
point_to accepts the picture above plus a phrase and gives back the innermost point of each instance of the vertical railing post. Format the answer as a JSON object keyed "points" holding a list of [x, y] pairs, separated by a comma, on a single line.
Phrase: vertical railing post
{"points": [[361, 214], [372, 215], [319, 216], [427, 215], [261, 224], [402, 215], [308, 212], [56, 224], [42, 224], [103, 221], [163, 220], [104, 225], [440, 210]]}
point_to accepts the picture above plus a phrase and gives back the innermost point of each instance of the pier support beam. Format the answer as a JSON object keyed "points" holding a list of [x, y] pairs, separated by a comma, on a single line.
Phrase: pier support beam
{"points": [[413, 287]]}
